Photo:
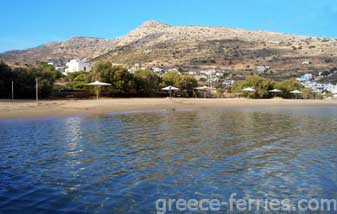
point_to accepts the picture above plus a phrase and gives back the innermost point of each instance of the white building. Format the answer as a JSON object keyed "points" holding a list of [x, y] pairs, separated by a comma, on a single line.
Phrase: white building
{"points": [[305, 77], [173, 70], [262, 68], [61, 69], [219, 74], [58, 66], [157, 70], [76, 65], [194, 73], [135, 68], [228, 83], [308, 81], [306, 62], [210, 72]]}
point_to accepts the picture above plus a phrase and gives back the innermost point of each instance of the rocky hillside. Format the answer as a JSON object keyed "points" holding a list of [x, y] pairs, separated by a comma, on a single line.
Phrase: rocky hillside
{"points": [[76, 47], [238, 51]]}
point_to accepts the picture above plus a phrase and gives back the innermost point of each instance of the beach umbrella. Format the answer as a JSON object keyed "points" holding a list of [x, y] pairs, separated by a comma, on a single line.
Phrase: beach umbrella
{"points": [[98, 84], [170, 89], [203, 88], [249, 89], [296, 93], [275, 91]]}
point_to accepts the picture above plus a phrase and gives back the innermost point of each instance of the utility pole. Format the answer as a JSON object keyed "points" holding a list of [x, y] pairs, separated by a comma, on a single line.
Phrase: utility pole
{"points": [[12, 90], [37, 90]]}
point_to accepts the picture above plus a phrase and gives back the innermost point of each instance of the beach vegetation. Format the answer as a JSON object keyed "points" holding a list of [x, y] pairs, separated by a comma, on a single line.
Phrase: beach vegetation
{"points": [[147, 82], [171, 78], [260, 84], [142, 82], [76, 80], [264, 85], [24, 80], [186, 83], [118, 76], [287, 86]]}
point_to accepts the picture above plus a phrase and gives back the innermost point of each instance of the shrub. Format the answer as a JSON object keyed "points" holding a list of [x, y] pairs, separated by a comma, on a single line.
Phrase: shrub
{"points": [[260, 84], [24, 80], [287, 86]]}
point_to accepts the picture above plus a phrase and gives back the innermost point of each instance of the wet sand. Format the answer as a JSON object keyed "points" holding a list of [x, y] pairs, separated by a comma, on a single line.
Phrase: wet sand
{"points": [[49, 108]]}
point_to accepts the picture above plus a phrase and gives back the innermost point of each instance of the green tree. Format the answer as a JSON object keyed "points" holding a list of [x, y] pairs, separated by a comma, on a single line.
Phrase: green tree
{"points": [[308, 93], [287, 86], [171, 78], [186, 83], [147, 82], [220, 92], [77, 80], [260, 84], [118, 76], [46, 80], [24, 81], [50, 69], [6, 77], [124, 81]]}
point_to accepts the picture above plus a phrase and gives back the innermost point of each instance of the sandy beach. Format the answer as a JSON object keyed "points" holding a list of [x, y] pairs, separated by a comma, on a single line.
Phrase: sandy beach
{"points": [[48, 108]]}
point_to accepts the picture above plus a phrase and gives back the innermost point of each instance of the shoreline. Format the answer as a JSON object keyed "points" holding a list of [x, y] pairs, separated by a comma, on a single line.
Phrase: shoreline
{"points": [[55, 108]]}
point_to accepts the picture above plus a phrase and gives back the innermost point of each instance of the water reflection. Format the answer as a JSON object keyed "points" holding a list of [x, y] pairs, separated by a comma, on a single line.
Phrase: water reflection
{"points": [[124, 162]]}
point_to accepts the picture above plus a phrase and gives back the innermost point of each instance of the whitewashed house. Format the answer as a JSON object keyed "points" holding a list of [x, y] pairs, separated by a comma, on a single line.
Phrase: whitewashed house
{"points": [[228, 83], [58, 66], [135, 68], [262, 68], [194, 73], [210, 72], [157, 70], [76, 65], [305, 77], [61, 69], [173, 70], [306, 62], [219, 74]]}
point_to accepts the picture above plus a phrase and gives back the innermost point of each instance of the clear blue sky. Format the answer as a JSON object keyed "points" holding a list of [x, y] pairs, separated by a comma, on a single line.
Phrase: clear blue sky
{"points": [[28, 23]]}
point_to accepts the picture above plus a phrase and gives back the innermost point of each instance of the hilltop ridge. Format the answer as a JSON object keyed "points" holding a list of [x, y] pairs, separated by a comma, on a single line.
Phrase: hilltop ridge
{"points": [[195, 47]]}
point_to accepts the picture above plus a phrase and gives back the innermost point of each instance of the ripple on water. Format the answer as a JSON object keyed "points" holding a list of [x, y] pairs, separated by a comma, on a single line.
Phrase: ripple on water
{"points": [[124, 162]]}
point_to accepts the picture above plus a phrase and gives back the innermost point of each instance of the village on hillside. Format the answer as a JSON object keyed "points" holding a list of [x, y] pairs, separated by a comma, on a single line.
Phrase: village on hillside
{"points": [[324, 82]]}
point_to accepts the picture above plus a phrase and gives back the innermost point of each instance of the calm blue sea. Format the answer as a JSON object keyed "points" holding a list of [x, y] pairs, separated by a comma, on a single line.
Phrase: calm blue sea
{"points": [[123, 163]]}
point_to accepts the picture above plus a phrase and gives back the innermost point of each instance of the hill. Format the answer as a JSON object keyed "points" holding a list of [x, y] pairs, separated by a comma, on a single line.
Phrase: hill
{"points": [[76, 47], [240, 52]]}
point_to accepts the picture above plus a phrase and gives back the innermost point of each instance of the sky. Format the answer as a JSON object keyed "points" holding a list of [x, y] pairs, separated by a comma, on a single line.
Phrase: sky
{"points": [[28, 23]]}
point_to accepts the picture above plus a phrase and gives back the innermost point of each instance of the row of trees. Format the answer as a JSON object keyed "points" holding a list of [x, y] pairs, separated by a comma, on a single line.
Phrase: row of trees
{"points": [[264, 85], [24, 80], [124, 83]]}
